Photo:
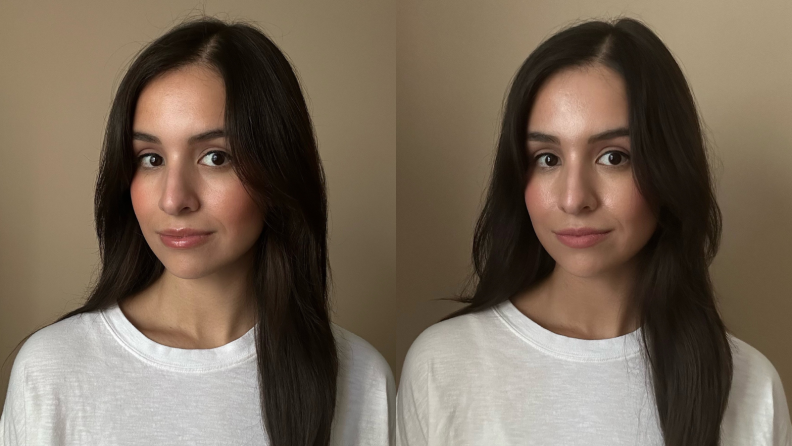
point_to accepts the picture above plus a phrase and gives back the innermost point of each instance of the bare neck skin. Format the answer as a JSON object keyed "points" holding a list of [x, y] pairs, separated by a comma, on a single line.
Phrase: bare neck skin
{"points": [[583, 308], [202, 313]]}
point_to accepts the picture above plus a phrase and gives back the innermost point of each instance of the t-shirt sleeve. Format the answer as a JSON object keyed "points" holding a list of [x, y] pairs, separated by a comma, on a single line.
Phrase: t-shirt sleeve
{"points": [[758, 412], [365, 410], [412, 399], [13, 420], [782, 426]]}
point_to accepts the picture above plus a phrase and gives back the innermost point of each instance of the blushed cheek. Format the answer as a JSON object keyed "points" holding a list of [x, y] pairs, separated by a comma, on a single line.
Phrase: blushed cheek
{"points": [[640, 216], [536, 202], [140, 197], [241, 214]]}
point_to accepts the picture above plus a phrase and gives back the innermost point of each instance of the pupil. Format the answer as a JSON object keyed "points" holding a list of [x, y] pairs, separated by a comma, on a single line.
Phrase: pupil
{"points": [[217, 158], [155, 160], [614, 158], [548, 159]]}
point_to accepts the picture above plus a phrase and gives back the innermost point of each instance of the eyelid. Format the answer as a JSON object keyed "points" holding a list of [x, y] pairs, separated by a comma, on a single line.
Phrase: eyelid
{"points": [[608, 149], [142, 156], [535, 158], [621, 152], [216, 150]]}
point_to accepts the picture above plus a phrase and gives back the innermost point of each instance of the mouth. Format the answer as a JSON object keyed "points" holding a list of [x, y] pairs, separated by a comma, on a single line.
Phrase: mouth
{"points": [[184, 238], [581, 238]]}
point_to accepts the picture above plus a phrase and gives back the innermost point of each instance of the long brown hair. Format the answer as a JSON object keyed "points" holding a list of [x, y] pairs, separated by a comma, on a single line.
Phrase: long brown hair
{"points": [[274, 150], [684, 339]]}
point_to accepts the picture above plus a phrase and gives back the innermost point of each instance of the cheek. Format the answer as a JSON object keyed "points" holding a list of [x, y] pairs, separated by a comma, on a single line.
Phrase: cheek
{"points": [[538, 201], [237, 211], [142, 198], [634, 212]]}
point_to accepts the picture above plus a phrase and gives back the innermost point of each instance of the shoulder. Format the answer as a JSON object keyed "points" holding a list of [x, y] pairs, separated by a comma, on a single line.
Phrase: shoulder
{"points": [[454, 339], [359, 358], [50, 361], [438, 366], [66, 341], [752, 370], [366, 392], [757, 410]]}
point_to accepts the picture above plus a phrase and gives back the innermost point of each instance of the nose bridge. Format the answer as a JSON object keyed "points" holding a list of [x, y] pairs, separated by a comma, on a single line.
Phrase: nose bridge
{"points": [[178, 189], [577, 185]]}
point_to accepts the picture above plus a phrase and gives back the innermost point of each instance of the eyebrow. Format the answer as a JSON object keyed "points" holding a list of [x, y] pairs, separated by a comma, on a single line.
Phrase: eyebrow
{"points": [[205, 136], [603, 136]]}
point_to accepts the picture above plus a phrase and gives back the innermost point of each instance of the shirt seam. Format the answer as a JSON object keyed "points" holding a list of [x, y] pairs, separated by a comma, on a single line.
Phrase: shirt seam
{"points": [[555, 353], [170, 367]]}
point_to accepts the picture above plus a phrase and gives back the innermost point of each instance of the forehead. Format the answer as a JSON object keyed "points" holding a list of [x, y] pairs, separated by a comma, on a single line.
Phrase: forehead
{"points": [[579, 102], [186, 97]]}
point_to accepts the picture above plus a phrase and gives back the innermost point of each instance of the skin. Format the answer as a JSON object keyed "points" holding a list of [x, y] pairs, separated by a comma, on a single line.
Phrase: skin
{"points": [[578, 183], [202, 299]]}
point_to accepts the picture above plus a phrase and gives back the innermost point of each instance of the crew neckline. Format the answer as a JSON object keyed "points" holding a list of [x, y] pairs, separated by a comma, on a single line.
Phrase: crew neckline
{"points": [[573, 349], [179, 359]]}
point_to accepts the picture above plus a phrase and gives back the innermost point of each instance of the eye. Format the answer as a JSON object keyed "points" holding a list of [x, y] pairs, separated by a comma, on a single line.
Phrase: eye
{"points": [[614, 158], [547, 160], [216, 158], [150, 160]]}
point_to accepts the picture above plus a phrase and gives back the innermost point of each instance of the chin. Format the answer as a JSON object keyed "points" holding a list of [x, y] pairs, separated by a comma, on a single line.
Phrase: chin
{"points": [[188, 274], [189, 270], [584, 268]]}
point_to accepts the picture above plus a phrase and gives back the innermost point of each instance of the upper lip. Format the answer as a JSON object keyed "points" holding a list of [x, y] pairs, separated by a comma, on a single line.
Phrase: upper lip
{"points": [[183, 232], [577, 232]]}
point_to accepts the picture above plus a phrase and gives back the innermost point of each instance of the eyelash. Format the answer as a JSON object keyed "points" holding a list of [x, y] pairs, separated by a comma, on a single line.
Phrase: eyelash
{"points": [[141, 159], [625, 155]]}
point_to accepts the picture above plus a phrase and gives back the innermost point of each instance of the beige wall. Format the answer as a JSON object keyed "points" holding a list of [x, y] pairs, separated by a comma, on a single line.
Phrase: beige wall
{"points": [[412, 130], [455, 61], [60, 63]]}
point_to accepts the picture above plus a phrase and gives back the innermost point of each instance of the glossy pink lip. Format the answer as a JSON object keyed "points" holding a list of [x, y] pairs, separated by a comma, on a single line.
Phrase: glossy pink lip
{"points": [[183, 238], [581, 237]]}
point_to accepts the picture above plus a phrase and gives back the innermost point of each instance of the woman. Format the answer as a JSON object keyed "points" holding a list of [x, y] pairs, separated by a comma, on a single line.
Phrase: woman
{"points": [[209, 322], [593, 320]]}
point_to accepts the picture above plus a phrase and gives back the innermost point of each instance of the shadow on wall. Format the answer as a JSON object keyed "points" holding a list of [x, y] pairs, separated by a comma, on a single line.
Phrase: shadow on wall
{"points": [[753, 270]]}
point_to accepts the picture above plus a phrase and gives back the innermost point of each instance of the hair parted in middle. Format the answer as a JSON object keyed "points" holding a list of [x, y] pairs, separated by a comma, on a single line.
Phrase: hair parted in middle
{"points": [[275, 155], [685, 343]]}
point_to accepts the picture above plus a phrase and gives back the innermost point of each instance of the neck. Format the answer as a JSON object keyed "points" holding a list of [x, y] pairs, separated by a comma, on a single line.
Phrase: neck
{"points": [[206, 312], [598, 307]]}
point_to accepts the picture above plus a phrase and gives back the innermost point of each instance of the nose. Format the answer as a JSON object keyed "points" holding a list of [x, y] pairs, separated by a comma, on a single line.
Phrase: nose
{"points": [[179, 195], [577, 188]]}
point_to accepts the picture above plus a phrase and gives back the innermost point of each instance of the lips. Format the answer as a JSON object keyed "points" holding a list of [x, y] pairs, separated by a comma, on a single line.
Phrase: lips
{"points": [[183, 238], [580, 238], [578, 232]]}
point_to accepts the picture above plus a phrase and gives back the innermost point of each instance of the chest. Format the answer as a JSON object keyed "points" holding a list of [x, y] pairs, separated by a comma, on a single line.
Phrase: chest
{"points": [[138, 406], [535, 403]]}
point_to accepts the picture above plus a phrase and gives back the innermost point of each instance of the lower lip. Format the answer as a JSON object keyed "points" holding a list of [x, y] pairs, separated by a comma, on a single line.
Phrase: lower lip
{"points": [[581, 241], [190, 241]]}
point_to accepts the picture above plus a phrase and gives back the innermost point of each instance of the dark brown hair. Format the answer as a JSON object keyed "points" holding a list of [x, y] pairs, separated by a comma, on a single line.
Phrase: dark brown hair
{"points": [[275, 155], [684, 339]]}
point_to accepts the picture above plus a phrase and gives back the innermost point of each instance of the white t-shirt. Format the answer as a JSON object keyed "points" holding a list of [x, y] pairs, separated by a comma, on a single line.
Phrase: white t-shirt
{"points": [[498, 378], [95, 379]]}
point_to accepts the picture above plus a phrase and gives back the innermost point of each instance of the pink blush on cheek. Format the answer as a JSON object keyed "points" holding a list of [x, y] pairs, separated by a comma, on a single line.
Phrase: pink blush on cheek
{"points": [[142, 201], [536, 202], [232, 206]]}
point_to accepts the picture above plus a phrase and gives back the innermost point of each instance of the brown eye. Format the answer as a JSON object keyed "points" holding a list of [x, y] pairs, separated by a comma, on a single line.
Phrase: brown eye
{"points": [[615, 158], [216, 158], [151, 160], [547, 160]]}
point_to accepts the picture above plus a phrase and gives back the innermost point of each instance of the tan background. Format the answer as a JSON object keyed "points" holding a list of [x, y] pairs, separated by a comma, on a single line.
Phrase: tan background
{"points": [[60, 63], [455, 60]]}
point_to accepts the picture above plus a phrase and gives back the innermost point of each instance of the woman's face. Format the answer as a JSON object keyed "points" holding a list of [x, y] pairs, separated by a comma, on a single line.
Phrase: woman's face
{"points": [[193, 210], [581, 176]]}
